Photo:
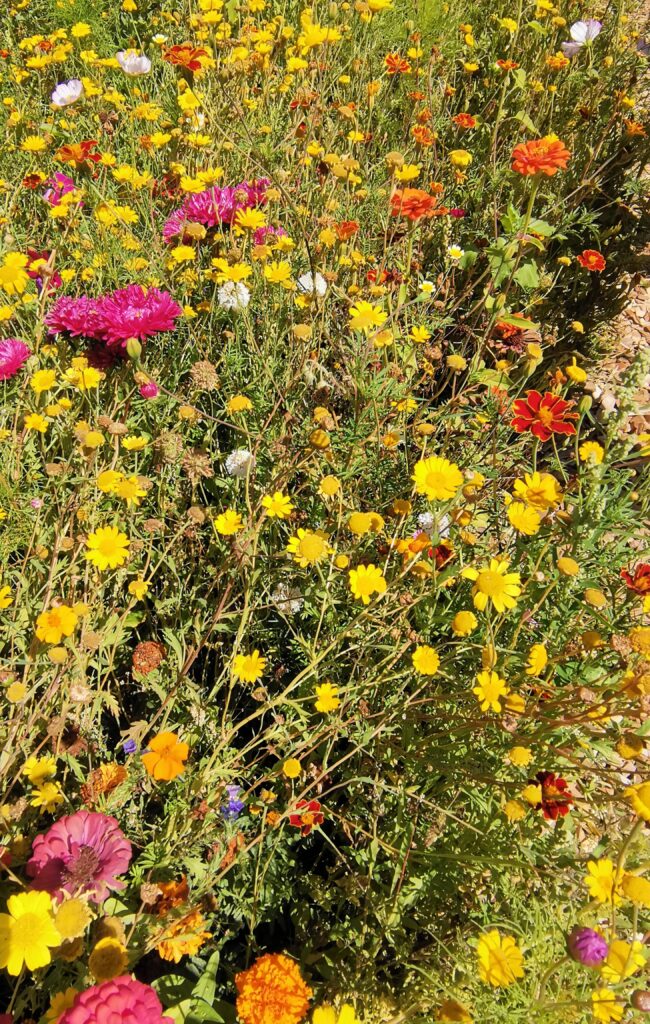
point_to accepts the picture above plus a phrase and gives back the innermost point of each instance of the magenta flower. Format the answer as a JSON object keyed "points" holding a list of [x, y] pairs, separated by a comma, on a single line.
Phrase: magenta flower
{"points": [[134, 312], [13, 353], [149, 390], [59, 186], [263, 235], [73, 316], [586, 946], [122, 1000], [215, 206], [81, 854]]}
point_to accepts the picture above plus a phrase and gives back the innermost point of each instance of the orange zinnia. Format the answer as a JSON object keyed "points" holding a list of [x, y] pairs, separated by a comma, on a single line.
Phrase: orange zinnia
{"points": [[540, 156], [423, 135], [166, 756], [412, 203]]}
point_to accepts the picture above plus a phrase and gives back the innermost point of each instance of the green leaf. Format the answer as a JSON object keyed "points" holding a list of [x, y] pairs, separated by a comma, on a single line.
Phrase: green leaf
{"points": [[526, 121], [519, 321], [528, 276], [541, 227], [206, 987]]}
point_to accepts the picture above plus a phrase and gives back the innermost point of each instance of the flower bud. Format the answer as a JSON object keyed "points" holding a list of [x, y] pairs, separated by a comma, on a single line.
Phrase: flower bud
{"points": [[586, 947], [641, 1000], [585, 404], [133, 349]]}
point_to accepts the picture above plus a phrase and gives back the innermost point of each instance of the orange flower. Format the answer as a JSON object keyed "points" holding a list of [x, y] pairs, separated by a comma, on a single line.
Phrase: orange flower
{"points": [[78, 153], [186, 56], [346, 229], [272, 991], [172, 894], [464, 121], [423, 135], [540, 156], [396, 65], [183, 938], [412, 203], [591, 259], [507, 65], [166, 758], [102, 780]]}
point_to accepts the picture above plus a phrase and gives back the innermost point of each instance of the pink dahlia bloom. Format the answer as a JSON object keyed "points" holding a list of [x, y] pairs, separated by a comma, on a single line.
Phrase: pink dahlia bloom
{"points": [[120, 1001], [134, 312], [215, 206], [73, 316], [13, 353], [81, 854]]}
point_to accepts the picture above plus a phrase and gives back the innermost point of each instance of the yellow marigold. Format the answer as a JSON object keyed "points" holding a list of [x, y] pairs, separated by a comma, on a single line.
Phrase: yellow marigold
{"points": [[638, 798], [636, 889], [272, 991]]}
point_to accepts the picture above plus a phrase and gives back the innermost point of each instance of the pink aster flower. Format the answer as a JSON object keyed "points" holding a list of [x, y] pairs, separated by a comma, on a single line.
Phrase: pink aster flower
{"points": [[123, 999], [81, 854], [263, 235], [215, 206], [135, 312], [13, 353], [73, 316]]}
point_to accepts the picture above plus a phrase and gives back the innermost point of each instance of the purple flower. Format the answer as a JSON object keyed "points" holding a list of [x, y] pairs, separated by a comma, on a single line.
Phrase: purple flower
{"points": [[586, 946], [13, 353], [129, 746], [235, 806], [81, 854]]}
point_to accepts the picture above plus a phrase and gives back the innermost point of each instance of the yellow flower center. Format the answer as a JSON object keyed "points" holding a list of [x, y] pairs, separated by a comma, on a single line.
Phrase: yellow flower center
{"points": [[311, 547], [490, 582]]}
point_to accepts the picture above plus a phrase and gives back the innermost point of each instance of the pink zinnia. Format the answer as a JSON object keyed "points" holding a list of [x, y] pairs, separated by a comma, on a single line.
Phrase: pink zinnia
{"points": [[73, 316], [81, 854], [13, 353], [215, 206], [120, 1001], [135, 312]]}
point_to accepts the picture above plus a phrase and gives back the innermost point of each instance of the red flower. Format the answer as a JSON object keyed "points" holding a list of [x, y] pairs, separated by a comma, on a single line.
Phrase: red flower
{"points": [[543, 415], [640, 581], [591, 259], [507, 65], [556, 798], [308, 815]]}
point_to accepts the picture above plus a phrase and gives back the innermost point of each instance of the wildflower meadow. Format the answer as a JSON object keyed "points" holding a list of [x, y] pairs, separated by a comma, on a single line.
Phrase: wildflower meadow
{"points": [[324, 538]]}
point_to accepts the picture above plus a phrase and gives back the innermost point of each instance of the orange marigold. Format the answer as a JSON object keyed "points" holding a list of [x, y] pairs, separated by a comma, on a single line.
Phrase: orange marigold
{"points": [[540, 156], [272, 991], [183, 938]]}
